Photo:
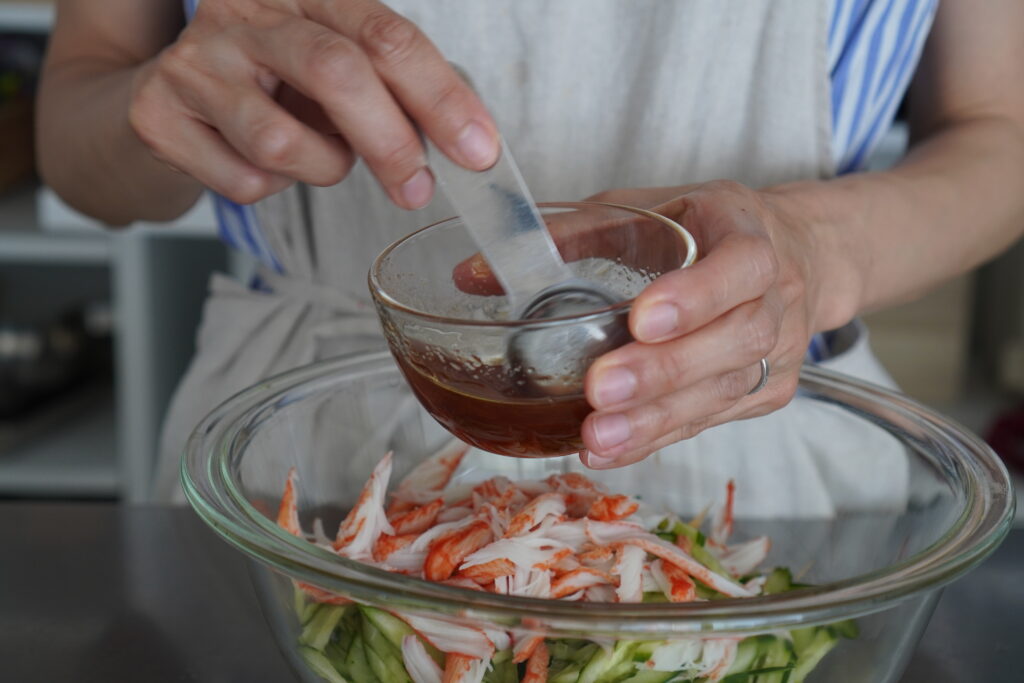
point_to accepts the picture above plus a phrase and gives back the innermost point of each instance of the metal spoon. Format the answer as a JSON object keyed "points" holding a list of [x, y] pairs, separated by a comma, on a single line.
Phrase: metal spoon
{"points": [[499, 213]]}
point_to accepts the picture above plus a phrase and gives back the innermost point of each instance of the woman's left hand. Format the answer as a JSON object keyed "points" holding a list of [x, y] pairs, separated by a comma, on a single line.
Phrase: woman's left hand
{"points": [[701, 332]]}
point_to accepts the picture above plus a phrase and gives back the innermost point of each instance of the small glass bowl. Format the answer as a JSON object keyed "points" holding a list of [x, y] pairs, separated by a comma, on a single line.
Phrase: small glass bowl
{"points": [[877, 571], [448, 323]]}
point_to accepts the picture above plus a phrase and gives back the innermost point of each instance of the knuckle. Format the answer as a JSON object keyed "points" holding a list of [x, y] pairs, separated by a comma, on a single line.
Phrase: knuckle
{"points": [[388, 36], [247, 189], [671, 372], [763, 265], [734, 385], [274, 143], [692, 429], [333, 61], [335, 174], [760, 334], [180, 57], [401, 159], [448, 97]]}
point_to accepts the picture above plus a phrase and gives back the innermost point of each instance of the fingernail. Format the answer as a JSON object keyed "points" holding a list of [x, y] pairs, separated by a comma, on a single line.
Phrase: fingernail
{"points": [[476, 146], [615, 385], [596, 462], [611, 430], [657, 321], [416, 191]]}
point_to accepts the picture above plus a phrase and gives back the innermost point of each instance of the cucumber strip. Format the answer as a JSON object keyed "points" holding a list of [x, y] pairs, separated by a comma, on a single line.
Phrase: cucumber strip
{"points": [[318, 631], [650, 677], [304, 607], [846, 628], [355, 663], [503, 671], [811, 645], [393, 628], [603, 660], [746, 652], [336, 654], [321, 665], [745, 676], [779, 580], [383, 657]]}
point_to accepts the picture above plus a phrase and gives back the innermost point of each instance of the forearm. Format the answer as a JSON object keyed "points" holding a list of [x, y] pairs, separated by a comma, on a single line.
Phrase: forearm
{"points": [[98, 165], [884, 238]]}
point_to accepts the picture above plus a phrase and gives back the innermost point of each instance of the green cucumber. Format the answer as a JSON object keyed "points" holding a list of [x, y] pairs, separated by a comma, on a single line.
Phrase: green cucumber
{"points": [[777, 661], [393, 628], [746, 652], [321, 665], [643, 676], [503, 669], [318, 630], [355, 662], [384, 658], [847, 628], [304, 607], [335, 654], [779, 580], [603, 661], [811, 645]]}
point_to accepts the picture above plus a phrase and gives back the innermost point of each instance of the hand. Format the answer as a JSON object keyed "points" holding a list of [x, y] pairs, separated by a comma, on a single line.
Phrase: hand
{"points": [[258, 94], [702, 331]]}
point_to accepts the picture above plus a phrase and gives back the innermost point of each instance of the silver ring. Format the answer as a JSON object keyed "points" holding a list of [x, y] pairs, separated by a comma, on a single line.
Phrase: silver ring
{"points": [[765, 369]]}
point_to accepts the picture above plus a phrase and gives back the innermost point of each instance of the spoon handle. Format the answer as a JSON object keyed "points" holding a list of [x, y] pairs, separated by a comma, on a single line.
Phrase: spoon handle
{"points": [[498, 211]]}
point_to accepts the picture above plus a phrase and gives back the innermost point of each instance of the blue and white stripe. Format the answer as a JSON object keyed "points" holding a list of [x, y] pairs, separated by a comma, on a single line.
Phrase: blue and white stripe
{"points": [[874, 47]]}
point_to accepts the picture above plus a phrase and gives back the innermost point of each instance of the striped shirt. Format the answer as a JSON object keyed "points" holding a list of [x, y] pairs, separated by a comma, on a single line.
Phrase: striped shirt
{"points": [[873, 50]]}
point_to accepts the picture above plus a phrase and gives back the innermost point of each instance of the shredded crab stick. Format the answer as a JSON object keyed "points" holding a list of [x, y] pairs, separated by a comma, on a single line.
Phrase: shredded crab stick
{"points": [[674, 555], [537, 665], [429, 478], [363, 526], [421, 666], [562, 538]]}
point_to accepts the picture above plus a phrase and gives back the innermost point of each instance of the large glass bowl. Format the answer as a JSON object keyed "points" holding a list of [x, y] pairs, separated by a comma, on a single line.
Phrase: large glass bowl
{"points": [[876, 573]]}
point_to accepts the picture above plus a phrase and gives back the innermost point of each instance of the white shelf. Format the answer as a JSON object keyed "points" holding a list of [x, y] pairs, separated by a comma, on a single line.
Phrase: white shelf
{"points": [[21, 240], [70, 452], [33, 17]]}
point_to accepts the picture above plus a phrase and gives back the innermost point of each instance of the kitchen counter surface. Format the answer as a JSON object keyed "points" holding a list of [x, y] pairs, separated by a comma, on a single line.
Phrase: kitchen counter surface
{"points": [[98, 592]]}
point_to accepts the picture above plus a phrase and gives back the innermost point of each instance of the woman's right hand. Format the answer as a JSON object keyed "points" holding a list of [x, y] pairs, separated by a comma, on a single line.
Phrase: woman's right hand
{"points": [[257, 94]]}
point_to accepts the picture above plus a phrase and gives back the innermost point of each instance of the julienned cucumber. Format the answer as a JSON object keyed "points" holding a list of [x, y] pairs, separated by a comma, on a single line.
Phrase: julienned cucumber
{"points": [[321, 665], [319, 628]]}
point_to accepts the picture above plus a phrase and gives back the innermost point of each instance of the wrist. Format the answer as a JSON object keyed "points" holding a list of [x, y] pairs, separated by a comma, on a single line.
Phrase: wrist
{"points": [[820, 245]]}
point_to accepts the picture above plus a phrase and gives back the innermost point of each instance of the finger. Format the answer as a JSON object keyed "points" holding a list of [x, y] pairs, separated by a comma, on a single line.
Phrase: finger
{"points": [[327, 67], [192, 147], [740, 268], [271, 139], [611, 437], [640, 372], [425, 84]]}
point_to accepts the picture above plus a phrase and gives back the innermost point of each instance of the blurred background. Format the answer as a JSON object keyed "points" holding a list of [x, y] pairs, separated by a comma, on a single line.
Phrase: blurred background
{"points": [[96, 326]]}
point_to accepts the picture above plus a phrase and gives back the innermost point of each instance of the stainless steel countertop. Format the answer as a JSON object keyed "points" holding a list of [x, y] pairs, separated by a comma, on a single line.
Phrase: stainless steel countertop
{"points": [[93, 592]]}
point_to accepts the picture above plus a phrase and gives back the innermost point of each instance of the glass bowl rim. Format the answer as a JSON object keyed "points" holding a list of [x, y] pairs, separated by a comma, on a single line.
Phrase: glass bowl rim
{"points": [[208, 486], [380, 294]]}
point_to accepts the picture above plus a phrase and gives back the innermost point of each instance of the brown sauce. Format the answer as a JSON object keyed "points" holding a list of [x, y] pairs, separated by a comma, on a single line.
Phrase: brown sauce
{"points": [[487, 408]]}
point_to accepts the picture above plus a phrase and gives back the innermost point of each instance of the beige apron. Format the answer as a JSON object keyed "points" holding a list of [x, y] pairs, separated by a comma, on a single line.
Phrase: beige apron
{"points": [[591, 95]]}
